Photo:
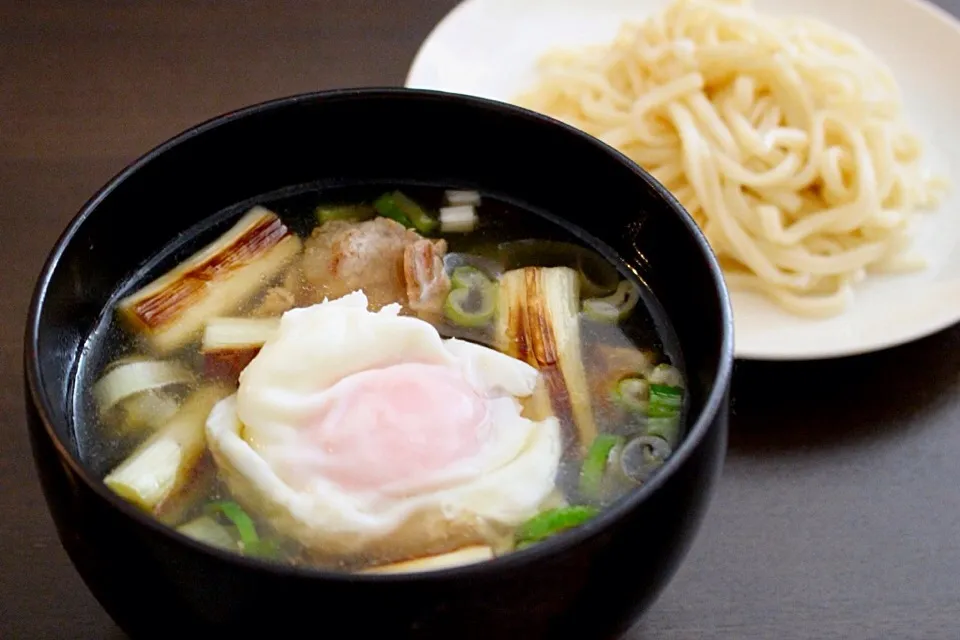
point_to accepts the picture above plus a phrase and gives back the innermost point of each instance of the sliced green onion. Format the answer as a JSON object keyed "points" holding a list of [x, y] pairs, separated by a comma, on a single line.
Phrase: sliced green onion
{"points": [[250, 542], [264, 548], [236, 515], [471, 306], [666, 428], [665, 401], [347, 212], [595, 281], [552, 522], [615, 307], [667, 375], [595, 464], [387, 207], [207, 530], [642, 456], [399, 207], [490, 268], [467, 276], [423, 221], [632, 394]]}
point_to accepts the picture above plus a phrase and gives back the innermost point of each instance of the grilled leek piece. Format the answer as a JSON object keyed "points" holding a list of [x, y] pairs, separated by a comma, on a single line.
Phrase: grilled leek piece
{"points": [[458, 558], [173, 309], [166, 461], [538, 323], [229, 344], [234, 334], [193, 490]]}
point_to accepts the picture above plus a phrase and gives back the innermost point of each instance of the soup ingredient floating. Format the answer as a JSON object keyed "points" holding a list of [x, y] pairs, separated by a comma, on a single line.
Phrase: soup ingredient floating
{"points": [[551, 522], [458, 558], [302, 422], [225, 524], [540, 325], [615, 307], [220, 278], [473, 300], [343, 256], [163, 465], [358, 432], [140, 393], [230, 343], [397, 206], [650, 399], [785, 139]]}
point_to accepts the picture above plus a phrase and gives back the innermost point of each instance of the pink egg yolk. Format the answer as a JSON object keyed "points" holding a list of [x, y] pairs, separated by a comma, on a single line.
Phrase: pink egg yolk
{"points": [[403, 423]]}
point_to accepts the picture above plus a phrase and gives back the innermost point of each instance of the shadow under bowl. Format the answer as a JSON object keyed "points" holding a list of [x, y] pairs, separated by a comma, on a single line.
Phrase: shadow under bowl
{"points": [[592, 582]]}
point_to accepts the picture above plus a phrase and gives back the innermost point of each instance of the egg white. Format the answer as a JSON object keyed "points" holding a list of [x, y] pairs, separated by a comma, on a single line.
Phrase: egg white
{"points": [[255, 432]]}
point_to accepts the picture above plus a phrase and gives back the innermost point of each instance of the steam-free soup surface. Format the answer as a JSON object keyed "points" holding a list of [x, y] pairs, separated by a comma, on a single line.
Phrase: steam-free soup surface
{"points": [[379, 380]]}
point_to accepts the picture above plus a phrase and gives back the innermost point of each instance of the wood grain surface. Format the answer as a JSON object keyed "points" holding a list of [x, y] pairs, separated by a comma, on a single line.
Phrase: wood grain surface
{"points": [[838, 514]]}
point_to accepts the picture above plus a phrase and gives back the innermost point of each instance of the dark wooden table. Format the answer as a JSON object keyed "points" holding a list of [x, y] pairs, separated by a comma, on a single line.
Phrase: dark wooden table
{"points": [[838, 515]]}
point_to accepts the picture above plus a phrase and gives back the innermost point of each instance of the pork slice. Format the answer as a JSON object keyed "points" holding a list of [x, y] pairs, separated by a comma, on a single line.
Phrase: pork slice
{"points": [[427, 282], [341, 257]]}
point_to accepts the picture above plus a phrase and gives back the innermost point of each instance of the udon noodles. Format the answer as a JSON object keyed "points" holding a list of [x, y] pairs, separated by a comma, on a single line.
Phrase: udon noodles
{"points": [[785, 138]]}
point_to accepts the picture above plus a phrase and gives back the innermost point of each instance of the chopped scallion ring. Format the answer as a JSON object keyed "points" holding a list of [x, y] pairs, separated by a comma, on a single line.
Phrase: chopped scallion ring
{"points": [[471, 306], [552, 522], [615, 307], [595, 463]]}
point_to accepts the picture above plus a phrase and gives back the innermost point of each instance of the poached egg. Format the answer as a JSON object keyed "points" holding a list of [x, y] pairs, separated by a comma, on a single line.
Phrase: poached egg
{"points": [[359, 432]]}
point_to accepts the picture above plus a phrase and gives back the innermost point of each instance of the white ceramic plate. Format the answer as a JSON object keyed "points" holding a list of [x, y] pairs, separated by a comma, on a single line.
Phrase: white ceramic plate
{"points": [[488, 48]]}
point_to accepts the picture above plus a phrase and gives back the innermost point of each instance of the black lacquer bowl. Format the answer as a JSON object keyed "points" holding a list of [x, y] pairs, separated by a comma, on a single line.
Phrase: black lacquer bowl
{"points": [[593, 582]]}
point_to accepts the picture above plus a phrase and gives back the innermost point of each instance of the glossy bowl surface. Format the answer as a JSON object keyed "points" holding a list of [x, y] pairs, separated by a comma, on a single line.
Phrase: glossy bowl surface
{"points": [[590, 583]]}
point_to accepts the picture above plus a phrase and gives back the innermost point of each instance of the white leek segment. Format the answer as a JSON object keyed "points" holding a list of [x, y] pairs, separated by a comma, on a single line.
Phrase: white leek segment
{"points": [[164, 462], [458, 197], [206, 529], [458, 558], [458, 219], [128, 378], [237, 334], [217, 280], [148, 410], [538, 323]]}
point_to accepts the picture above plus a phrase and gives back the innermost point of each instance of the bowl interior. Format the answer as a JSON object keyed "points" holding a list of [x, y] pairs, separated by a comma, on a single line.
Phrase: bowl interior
{"points": [[377, 136]]}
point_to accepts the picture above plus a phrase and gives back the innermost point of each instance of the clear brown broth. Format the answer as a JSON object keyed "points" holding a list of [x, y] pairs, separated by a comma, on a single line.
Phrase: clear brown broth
{"points": [[102, 447]]}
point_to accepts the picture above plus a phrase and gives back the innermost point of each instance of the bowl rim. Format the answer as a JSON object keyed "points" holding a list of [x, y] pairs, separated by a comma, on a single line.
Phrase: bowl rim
{"points": [[554, 546]]}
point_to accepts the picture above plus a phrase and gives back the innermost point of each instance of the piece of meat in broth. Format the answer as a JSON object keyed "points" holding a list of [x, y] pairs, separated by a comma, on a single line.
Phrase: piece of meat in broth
{"points": [[341, 257], [427, 281]]}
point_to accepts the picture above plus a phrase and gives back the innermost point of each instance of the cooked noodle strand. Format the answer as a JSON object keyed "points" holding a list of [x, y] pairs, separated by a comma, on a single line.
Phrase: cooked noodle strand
{"points": [[785, 138]]}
